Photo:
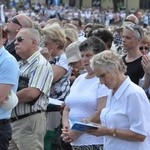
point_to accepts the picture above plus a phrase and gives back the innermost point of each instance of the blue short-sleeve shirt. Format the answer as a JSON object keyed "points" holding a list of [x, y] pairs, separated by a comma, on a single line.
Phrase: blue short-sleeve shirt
{"points": [[9, 74]]}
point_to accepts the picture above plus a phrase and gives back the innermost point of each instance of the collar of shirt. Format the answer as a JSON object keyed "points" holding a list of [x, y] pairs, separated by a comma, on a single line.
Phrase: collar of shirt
{"points": [[81, 33], [2, 49], [122, 88], [30, 59], [9, 42]]}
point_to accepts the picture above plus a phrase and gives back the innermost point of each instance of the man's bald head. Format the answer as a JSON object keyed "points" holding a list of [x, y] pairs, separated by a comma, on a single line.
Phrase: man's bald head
{"points": [[24, 20], [132, 18]]}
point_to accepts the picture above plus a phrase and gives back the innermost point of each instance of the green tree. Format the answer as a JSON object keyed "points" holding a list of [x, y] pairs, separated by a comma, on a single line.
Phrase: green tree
{"points": [[116, 4]]}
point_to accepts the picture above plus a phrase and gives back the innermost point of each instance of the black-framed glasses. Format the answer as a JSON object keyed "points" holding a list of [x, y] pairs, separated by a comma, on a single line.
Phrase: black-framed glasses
{"points": [[15, 20], [19, 39], [143, 47]]}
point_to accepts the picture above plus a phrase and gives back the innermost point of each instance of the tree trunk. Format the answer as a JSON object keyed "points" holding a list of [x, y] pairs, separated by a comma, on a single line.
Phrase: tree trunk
{"points": [[72, 3], [80, 4], [115, 5]]}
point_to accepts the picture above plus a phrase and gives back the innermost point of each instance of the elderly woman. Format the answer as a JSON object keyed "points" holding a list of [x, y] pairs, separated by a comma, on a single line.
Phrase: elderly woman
{"points": [[124, 119], [85, 100], [54, 42]]}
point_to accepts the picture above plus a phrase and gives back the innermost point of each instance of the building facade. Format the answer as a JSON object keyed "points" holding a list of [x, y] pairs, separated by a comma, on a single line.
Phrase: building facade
{"points": [[130, 4]]}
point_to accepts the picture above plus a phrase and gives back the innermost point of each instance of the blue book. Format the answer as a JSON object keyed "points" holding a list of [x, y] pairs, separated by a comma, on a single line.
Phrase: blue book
{"points": [[81, 126]]}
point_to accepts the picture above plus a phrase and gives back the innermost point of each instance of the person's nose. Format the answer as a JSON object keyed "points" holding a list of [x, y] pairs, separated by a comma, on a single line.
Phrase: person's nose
{"points": [[123, 39], [16, 42], [84, 59]]}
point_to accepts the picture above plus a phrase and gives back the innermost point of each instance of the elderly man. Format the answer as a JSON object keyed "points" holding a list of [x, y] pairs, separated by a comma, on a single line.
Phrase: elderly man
{"points": [[132, 36], [12, 28], [28, 117], [9, 73]]}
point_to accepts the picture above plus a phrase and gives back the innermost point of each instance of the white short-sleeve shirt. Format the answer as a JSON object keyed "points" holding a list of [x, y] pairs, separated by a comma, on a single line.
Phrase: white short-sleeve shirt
{"points": [[82, 102], [127, 109]]}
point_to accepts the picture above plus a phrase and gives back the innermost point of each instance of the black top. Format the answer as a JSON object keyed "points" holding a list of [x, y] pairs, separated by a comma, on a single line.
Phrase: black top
{"points": [[134, 69], [11, 48]]}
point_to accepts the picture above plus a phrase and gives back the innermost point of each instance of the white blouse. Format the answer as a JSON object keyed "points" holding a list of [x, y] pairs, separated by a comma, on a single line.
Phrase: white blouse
{"points": [[127, 109]]}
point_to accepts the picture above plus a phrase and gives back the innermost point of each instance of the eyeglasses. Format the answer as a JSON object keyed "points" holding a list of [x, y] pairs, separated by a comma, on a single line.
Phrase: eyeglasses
{"points": [[19, 39], [143, 47], [15, 20]]}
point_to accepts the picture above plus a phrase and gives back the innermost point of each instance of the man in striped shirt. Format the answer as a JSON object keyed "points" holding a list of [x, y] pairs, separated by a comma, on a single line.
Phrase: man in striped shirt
{"points": [[28, 117]]}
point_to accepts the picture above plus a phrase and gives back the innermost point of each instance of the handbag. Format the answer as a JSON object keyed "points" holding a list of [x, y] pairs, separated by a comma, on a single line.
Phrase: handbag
{"points": [[58, 143], [23, 83], [57, 138]]}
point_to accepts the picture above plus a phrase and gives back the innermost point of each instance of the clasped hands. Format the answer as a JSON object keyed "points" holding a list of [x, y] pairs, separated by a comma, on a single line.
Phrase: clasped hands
{"points": [[69, 135]]}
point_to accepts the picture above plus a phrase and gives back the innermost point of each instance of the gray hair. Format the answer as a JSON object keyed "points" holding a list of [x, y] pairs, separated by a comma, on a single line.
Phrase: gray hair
{"points": [[109, 60], [33, 34]]}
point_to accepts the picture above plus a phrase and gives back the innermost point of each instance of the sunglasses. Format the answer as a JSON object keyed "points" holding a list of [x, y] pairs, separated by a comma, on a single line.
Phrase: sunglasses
{"points": [[15, 20], [143, 47], [135, 28], [19, 39]]}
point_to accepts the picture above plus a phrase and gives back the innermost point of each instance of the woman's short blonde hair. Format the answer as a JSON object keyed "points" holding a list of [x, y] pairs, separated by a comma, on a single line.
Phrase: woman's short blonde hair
{"points": [[70, 25], [71, 34], [53, 21], [109, 60], [146, 39], [56, 34]]}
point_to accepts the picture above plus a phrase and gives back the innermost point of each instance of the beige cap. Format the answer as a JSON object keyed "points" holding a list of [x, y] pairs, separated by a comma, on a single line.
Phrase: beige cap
{"points": [[11, 102], [72, 52]]}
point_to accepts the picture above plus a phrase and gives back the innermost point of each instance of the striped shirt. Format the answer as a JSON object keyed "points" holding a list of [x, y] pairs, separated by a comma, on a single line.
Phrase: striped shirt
{"points": [[39, 72]]}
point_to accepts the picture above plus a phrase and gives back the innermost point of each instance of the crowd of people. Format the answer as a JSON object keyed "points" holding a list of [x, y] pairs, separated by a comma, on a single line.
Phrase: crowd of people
{"points": [[41, 12], [96, 73]]}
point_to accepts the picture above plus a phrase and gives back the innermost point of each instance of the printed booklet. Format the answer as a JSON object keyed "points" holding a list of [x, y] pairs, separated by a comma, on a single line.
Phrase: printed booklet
{"points": [[55, 102], [81, 126]]}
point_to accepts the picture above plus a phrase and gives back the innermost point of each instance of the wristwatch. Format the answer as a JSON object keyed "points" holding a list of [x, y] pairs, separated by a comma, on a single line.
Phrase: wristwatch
{"points": [[114, 133]]}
